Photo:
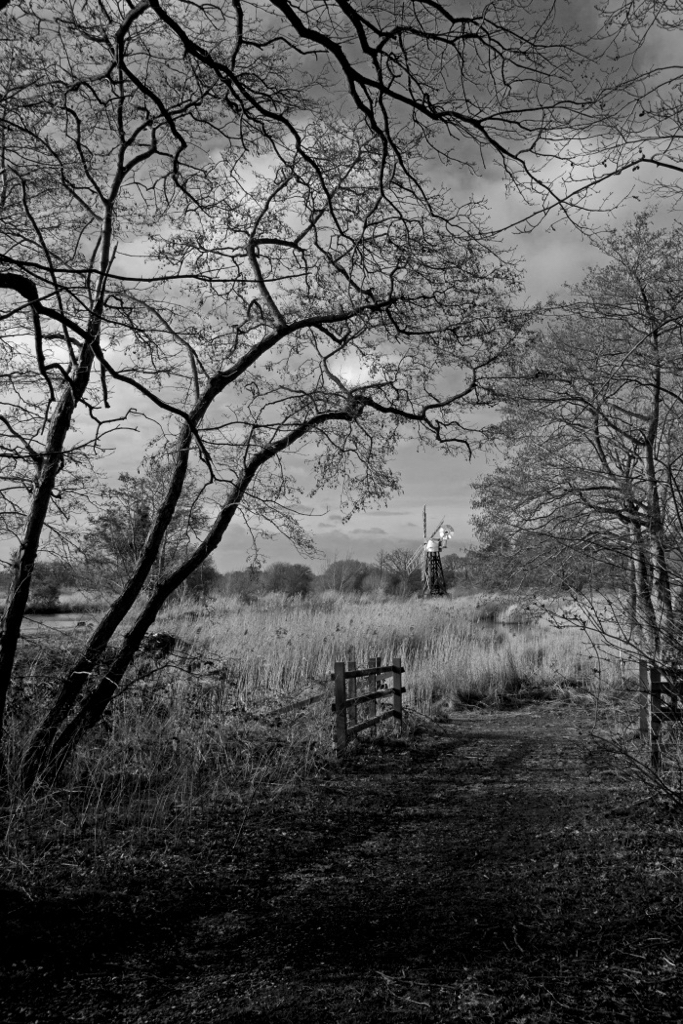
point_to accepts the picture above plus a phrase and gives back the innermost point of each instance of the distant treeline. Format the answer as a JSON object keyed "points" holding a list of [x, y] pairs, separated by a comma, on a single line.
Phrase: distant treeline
{"points": [[500, 565], [528, 564]]}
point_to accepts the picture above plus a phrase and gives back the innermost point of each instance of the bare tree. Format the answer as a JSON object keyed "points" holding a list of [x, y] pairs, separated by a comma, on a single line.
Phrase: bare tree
{"points": [[401, 565], [592, 465], [216, 218]]}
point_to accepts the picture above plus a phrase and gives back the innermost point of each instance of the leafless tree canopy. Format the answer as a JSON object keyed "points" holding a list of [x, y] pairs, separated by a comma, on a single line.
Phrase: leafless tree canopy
{"points": [[592, 454], [216, 221]]}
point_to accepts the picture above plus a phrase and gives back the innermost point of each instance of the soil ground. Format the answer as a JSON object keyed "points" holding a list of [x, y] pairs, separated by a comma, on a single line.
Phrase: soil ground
{"points": [[499, 869]]}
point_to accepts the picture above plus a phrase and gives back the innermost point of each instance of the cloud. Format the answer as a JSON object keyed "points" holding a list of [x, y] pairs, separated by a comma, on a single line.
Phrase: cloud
{"points": [[384, 512], [369, 529]]}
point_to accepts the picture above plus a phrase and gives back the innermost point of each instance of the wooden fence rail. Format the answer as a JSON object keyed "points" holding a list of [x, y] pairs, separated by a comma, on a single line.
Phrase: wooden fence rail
{"points": [[347, 699]]}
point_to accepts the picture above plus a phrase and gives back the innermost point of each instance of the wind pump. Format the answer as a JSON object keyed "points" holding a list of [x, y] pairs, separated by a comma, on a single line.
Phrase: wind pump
{"points": [[429, 552]]}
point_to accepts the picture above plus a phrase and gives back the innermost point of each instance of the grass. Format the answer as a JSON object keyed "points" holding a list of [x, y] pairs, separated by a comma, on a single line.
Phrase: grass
{"points": [[201, 728], [278, 648]]}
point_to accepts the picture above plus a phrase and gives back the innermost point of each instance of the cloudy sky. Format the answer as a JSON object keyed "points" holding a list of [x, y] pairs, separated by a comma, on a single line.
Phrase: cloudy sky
{"points": [[552, 254], [552, 257]]}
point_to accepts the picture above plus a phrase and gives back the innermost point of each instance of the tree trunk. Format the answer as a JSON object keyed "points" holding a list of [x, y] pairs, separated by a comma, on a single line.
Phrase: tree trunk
{"points": [[61, 731], [50, 466], [647, 618], [76, 681]]}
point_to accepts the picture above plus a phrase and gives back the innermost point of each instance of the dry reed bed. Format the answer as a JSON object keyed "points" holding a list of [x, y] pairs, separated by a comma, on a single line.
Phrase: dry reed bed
{"points": [[202, 725], [280, 648]]}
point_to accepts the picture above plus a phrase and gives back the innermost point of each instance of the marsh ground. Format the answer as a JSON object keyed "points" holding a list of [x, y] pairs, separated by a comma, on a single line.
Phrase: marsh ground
{"points": [[498, 867]]}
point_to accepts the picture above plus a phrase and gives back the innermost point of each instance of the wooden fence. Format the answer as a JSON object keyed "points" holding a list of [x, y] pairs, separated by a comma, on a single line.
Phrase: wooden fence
{"points": [[349, 695], [348, 681], [658, 702]]}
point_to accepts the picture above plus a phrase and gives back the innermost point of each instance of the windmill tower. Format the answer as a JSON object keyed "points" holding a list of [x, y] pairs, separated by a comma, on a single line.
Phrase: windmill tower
{"points": [[433, 582]]}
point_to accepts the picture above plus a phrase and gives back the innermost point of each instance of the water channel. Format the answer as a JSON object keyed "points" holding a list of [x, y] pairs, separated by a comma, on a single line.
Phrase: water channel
{"points": [[35, 621]]}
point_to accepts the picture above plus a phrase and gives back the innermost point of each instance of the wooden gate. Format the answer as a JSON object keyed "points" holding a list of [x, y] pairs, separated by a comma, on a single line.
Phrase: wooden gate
{"points": [[348, 681]]}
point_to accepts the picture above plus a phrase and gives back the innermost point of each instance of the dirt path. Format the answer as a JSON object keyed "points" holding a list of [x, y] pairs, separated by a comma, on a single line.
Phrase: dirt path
{"points": [[494, 872]]}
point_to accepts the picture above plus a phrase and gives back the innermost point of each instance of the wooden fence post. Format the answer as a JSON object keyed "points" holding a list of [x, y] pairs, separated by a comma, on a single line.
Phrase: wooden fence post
{"points": [[353, 710], [373, 683], [347, 728], [397, 678], [340, 705]]}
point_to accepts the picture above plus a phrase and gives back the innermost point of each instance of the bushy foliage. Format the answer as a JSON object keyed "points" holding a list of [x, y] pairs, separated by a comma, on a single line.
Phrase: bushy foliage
{"points": [[45, 587], [118, 531], [203, 582], [283, 578], [245, 584], [345, 576]]}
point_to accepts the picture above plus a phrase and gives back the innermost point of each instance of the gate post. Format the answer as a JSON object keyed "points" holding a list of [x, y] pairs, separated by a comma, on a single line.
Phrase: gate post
{"points": [[398, 694], [351, 692], [340, 705], [373, 683]]}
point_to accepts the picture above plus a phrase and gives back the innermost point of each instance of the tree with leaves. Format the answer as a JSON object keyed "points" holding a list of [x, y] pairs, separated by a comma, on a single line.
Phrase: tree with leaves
{"points": [[345, 575], [111, 546], [403, 575], [285, 578]]}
